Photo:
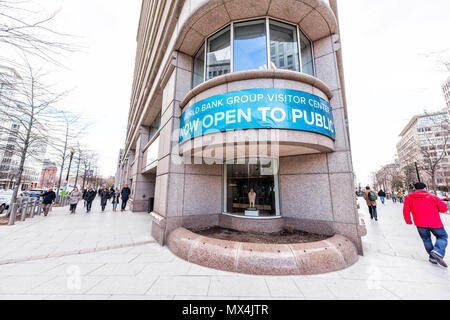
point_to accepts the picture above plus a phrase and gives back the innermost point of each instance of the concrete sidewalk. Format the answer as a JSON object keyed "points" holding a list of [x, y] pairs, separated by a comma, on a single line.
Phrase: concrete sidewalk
{"points": [[395, 265]]}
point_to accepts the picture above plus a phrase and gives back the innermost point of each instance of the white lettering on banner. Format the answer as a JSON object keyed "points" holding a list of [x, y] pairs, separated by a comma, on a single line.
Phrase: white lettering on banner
{"points": [[264, 113], [274, 113]]}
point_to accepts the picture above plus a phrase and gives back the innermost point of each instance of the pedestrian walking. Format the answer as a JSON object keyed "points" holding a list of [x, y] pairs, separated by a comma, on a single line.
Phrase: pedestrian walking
{"points": [[382, 196], [425, 209], [126, 192], [394, 197], [401, 197], [74, 197], [116, 199], [371, 199], [104, 196], [90, 196], [49, 199], [84, 197]]}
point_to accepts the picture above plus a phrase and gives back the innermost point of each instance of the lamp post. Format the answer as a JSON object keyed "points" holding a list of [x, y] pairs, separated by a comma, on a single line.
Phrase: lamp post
{"points": [[72, 152], [417, 171]]}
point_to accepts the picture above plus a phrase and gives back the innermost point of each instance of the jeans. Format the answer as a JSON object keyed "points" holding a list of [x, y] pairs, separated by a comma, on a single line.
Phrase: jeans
{"points": [[88, 205], [382, 200], [46, 208], [124, 204], [73, 207], [115, 204], [441, 240], [373, 212], [401, 200]]}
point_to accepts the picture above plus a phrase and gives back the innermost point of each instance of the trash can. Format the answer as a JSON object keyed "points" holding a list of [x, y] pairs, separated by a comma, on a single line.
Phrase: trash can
{"points": [[151, 203]]}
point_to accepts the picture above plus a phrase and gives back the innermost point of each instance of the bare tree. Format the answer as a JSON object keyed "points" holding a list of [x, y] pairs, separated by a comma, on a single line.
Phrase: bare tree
{"points": [[69, 128], [437, 146], [24, 28], [26, 113]]}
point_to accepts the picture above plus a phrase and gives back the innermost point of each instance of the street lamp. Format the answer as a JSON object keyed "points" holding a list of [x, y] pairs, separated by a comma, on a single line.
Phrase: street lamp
{"points": [[72, 152]]}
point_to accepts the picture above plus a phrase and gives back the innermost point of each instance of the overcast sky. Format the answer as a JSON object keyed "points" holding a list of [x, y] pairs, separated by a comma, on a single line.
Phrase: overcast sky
{"points": [[388, 76]]}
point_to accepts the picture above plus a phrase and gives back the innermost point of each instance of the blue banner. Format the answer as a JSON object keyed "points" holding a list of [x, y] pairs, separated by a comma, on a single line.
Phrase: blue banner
{"points": [[258, 109]]}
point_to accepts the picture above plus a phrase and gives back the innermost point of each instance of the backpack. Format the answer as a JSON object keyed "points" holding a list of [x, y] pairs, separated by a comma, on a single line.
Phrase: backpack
{"points": [[372, 196]]}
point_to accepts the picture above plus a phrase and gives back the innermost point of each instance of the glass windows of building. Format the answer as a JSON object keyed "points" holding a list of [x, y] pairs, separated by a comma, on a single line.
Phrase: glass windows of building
{"points": [[307, 55], [284, 46], [219, 54], [198, 75], [251, 188], [154, 128], [250, 45]]}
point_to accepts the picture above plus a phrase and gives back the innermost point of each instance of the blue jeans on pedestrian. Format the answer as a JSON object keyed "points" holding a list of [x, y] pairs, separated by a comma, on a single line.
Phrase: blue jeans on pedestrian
{"points": [[382, 200], [441, 240], [115, 204], [373, 212]]}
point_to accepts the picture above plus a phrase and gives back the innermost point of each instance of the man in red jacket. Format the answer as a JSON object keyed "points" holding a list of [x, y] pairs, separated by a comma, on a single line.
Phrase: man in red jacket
{"points": [[425, 209]]}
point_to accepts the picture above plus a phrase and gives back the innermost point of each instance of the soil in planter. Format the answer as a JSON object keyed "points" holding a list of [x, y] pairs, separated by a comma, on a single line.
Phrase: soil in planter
{"points": [[283, 237]]}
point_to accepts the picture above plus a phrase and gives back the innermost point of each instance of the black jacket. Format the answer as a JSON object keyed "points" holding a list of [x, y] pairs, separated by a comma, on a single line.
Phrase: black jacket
{"points": [[126, 194], [90, 196], [49, 197], [382, 194]]}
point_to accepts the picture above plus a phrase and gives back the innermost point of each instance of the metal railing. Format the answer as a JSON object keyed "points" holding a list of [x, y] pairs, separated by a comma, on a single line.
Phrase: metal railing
{"points": [[28, 207]]}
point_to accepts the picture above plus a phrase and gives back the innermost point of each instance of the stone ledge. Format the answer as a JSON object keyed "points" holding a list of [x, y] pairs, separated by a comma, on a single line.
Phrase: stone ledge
{"points": [[257, 74], [333, 254]]}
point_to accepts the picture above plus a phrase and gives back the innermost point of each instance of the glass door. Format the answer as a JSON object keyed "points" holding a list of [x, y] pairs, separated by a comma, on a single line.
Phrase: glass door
{"points": [[251, 188]]}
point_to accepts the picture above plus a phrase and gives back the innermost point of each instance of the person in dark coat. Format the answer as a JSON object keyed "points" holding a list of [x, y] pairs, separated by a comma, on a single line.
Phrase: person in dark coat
{"points": [[126, 192], [104, 196], [89, 198], [49, 198], [382, 196]]}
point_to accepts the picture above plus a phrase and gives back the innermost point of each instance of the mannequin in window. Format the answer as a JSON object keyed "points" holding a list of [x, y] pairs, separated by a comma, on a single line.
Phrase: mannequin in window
{"points": [[252, 198]]}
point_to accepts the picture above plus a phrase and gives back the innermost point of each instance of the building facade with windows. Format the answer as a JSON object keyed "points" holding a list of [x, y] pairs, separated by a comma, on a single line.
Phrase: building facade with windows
{"points": [[238, 118], [446, 89], [426, 140]]}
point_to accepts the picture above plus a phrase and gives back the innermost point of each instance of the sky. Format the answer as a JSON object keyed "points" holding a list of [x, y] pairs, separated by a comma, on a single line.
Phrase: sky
{"points": [[389, 74]]}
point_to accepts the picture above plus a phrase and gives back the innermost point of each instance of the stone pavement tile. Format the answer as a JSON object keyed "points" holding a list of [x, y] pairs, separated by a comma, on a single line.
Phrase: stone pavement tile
{"points": [[27, 269], [69, 285], [180, 285], [22, 284], [65, 269], [76, 297], [123, 285], [176, 268], [240, 286], [140, 297], [196, 270], [314, 287], [427, 274], [365, 272], [345, 289], [159, 257], [118, 270], [418, 291], [283, 287], [23, 297]]}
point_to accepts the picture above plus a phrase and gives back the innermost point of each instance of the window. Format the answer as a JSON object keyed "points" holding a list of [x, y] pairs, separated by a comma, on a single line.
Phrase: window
{"points": [[198, 75], [307, 57], [284, 38], [219, 54], [250, 45]]}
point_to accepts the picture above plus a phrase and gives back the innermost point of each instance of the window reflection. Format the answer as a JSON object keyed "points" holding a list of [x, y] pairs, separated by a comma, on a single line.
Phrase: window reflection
{"points": [[283, 46], [199, 67], [250, 45], [307, 58], [219, 54]]}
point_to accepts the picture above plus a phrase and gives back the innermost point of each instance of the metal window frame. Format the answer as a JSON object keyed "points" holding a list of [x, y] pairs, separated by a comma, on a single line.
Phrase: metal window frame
{"points": [[269, 65]]}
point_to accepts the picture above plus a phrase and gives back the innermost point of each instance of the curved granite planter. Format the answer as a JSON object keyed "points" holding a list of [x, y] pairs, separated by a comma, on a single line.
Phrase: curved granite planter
{"points": [[325, 256]]}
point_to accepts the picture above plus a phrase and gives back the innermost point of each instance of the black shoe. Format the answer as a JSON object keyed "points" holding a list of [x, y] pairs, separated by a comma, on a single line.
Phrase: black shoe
{"points": [[439, 259], [433, 261]]}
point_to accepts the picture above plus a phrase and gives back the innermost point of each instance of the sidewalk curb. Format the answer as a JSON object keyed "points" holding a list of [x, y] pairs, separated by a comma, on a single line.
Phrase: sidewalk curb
{"points": [[74, 252]]}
